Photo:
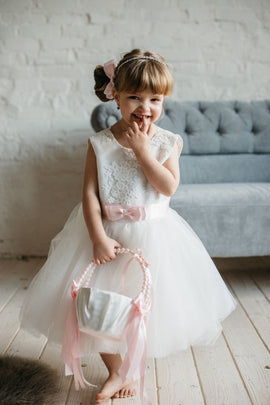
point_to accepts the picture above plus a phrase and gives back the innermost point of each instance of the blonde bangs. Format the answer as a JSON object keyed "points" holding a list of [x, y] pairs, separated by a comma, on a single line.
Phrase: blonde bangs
{"points": [[146, 75]]}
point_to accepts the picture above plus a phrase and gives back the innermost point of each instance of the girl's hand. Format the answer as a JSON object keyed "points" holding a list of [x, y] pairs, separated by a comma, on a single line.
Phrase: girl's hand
{"points": [[137, 137], [104, 250]]}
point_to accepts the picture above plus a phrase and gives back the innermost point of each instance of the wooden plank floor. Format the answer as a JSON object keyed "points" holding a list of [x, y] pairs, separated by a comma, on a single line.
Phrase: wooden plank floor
{"points": [[235, 371]]}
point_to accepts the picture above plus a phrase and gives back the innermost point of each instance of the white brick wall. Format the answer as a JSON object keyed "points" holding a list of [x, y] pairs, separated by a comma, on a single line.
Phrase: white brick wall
{"points": [[48, 50]]}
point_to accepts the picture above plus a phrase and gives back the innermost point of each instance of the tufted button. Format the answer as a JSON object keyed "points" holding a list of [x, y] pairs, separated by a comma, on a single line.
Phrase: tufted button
{"points": [[220, 131], [254, 130], [201, 109], [188, 131], [236, 109]]}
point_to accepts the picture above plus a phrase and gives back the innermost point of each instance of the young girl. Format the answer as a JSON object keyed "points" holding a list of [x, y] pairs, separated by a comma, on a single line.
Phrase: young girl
{"points": [[134, 163]]}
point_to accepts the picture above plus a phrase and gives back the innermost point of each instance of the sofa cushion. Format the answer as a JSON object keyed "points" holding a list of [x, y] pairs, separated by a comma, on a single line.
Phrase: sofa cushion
{"points": [[208, 127], [236, 168], [231, 219], [223, 127]]}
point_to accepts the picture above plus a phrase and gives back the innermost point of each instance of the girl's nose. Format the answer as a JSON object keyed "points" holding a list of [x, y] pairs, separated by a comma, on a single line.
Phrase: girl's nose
{"points": [[144, 105]]}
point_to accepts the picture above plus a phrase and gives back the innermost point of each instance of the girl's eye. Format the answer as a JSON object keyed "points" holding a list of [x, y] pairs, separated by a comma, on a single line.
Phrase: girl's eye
{"points": [[156, 99], [133, 97]]}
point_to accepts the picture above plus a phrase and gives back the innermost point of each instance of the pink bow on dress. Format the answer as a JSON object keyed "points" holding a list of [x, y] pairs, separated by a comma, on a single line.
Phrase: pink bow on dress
{"points": [[115, 212], [109, 69]]}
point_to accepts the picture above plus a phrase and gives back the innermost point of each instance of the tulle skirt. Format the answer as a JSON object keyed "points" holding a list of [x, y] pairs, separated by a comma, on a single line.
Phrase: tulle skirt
{"points": [[190, 297]]}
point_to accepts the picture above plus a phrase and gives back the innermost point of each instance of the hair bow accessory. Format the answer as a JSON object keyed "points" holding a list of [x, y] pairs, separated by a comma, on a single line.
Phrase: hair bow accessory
{"points": [[109, 69]]}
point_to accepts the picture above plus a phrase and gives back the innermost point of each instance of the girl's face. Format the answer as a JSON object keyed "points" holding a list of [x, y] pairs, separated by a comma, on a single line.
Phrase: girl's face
{"points": [[135, 106]]}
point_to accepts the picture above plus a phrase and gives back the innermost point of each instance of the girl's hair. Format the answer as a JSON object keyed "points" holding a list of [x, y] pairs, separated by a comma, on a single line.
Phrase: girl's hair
{"points": [[132, 75]]}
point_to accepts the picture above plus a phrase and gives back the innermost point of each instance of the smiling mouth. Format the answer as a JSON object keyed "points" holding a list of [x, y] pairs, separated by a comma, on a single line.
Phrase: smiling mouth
{"points": [[139, 118]]}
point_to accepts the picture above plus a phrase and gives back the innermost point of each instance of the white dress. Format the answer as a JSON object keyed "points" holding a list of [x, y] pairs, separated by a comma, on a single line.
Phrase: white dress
{"points": [[190, 297]]}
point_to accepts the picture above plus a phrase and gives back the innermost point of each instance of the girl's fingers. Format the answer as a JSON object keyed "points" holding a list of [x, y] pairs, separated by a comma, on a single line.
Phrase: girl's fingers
{"points": [[106, 253], [128, 133], [135, 126], [144, 127], [117, 245], [102, 260]]}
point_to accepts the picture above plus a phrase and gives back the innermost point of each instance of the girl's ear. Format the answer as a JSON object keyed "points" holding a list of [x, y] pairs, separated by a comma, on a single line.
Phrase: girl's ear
{"points": [[116, 97]]}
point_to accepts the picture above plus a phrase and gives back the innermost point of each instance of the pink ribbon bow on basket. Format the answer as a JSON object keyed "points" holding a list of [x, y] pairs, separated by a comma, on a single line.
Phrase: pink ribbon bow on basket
{"points": [[109, 69]]}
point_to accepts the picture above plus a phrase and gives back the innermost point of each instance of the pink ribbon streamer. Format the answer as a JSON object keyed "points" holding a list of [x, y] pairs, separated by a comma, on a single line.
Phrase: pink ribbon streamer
{"points": [[71, 352], [109, 69], [116, 212], [133, 366]]}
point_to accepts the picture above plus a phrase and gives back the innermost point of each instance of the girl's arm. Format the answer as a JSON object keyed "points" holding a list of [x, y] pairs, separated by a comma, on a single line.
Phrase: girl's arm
{"points": [[164, 178], [103, 246]]}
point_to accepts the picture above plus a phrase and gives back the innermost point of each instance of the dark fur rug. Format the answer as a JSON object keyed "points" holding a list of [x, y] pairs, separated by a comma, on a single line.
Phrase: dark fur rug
{"points": [[27, 382]]}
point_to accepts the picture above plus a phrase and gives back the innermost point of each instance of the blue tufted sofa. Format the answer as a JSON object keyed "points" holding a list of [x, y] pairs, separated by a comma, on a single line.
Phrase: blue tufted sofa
{"points": [[224, 193]]}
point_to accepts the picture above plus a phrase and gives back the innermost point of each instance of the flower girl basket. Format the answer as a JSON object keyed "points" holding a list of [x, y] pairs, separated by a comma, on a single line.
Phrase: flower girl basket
{"points": [[109, 315]]}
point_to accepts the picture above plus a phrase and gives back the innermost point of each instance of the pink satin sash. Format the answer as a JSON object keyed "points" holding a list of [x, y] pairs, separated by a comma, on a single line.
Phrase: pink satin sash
{"points": [[117, 212]]}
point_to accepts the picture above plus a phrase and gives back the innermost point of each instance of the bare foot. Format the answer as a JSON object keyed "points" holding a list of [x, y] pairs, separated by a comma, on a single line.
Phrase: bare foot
{"points": [[112, 385], [130, 390]]}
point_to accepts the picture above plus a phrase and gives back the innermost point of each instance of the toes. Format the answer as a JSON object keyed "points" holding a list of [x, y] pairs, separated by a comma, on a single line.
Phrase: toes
{"points": [[132, 393], [124, 394], [121, 393]]}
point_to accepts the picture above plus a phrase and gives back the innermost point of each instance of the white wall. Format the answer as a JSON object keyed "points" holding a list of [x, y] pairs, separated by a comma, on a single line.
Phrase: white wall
{"points": [[48, 50]]}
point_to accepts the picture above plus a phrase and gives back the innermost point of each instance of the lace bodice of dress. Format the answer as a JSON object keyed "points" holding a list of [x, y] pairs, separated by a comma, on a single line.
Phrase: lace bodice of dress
{"points": [[120, 177]]}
